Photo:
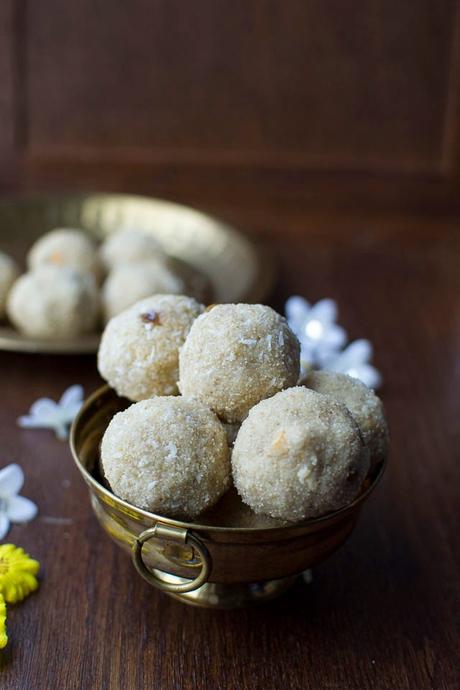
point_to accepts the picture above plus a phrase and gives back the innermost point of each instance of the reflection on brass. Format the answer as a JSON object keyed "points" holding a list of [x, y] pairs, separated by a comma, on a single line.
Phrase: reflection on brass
{"points": [[226, 260], [224, 559], [183, 536]]}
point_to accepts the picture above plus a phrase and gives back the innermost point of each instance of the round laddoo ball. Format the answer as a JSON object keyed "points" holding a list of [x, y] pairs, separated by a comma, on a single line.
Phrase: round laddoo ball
{"points": [[54, 302], [139, 351], [66, 247], [129, 283], [127, 246], [167, 455], [9, 271], [298, 455], [236, 355], [364, 405]]}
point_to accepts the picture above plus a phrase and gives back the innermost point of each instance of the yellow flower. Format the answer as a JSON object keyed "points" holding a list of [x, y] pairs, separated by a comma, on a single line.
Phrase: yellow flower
{"points": [[3, 635], [17, 574]]}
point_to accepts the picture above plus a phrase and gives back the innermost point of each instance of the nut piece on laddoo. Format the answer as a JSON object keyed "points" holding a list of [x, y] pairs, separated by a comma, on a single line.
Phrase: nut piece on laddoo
{"points": [[126, 246], [54, 302], [298, 455], [167, 455], [365, 406], [236, 355], [131, 282], [139, 351], [66, 247], [9, 271]]}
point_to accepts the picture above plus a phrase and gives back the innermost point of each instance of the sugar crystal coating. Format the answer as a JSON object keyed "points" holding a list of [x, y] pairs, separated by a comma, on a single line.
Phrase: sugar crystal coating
{"points": [[66, 247], [364, 405], [298, 455], [54, 302], [167, 455], [139, 351], [236, 355], [9, 271]]}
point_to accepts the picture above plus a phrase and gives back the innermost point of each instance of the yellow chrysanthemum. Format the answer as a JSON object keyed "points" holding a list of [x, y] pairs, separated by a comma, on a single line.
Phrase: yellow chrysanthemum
{"points": [[3, 635], [17, 573]]}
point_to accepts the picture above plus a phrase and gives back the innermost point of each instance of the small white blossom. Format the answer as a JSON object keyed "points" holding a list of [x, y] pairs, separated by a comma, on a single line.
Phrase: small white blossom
{"points": [[354, 360], [13, 508], [47, 414], [322, 341], [316, 328]]}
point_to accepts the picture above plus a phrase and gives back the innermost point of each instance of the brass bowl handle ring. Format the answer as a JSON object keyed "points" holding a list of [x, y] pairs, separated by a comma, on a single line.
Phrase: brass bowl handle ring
{"points": [[183, 536]]}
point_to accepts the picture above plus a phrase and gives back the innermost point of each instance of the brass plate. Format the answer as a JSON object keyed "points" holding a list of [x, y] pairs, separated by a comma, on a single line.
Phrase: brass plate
{"points": [[237, 272]]}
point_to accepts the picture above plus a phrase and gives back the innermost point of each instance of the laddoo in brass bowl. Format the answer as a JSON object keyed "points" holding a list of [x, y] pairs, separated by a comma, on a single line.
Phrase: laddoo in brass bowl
{"points": [[231, 557]]}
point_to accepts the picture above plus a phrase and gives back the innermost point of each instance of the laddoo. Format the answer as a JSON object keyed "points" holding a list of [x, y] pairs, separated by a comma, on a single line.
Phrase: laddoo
{"points": [[129, 245], [139, 351], [66, 247], [54, 302], [128, 283], [236, 355], [364, 405], [298, 455], [167, 455], [9, 271]]}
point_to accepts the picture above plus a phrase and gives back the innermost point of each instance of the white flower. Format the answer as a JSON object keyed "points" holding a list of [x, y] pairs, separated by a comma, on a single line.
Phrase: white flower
{"points": [[13, 508], [322, 341], [316, 328], [355, 361], [47, 414]]}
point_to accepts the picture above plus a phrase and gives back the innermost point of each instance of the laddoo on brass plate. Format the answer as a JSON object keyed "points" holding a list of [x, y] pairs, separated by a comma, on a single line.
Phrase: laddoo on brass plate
{"points": [[230, 557], [234, 269]]}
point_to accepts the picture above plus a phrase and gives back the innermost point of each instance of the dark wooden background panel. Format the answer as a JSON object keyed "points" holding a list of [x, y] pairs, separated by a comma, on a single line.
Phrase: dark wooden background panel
{"points": [[7, 78], [320, 85]]}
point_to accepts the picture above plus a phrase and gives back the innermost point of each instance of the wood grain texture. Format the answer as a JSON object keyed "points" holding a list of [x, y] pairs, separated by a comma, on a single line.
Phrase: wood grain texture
{"points": [[344, 108], [7, 76], [309, 83], [382, 613]]}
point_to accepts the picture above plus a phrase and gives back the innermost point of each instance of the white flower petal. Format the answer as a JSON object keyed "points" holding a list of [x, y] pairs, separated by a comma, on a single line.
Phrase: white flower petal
{"points": [[325, 311], [4, 525], [21, 509], [366, 373], [72, 396], [334, 337], [328, 358], [11, 480], [69, 413], [30, 422], [358, 352], [43, 408], [61, 431], [296, 308]]}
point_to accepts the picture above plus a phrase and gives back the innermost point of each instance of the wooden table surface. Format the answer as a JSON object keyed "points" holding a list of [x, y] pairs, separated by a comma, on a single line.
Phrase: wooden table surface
{"points": [[382, 613]]}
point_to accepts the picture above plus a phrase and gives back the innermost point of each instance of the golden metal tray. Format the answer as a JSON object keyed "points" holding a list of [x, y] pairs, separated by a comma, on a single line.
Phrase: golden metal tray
{"points": [[217, 563], [236, 271]]}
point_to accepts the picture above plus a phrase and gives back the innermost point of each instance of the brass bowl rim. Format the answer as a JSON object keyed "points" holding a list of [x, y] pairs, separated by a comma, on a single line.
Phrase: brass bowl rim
{"points": [[153, 517]]}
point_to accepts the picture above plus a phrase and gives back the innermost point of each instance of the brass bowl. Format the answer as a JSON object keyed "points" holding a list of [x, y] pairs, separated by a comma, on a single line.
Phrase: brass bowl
{"points": [[231, 264], [205, 563]]}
